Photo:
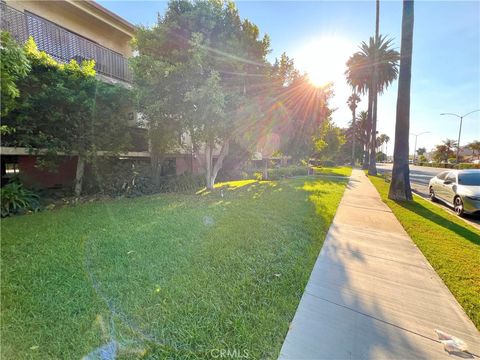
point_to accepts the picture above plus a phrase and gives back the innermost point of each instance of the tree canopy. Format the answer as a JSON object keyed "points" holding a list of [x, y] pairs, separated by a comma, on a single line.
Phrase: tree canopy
{"points": [[196, 69], [202, 76], [13, 67]]}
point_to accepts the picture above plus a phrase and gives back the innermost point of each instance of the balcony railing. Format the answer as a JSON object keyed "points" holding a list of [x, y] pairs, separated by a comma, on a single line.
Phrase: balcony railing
{"points": [[62, 44]]}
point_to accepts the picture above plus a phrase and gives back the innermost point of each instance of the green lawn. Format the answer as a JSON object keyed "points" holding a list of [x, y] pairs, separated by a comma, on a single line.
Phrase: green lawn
{"points": [[165, 276], [336, 171], [451, 246]]}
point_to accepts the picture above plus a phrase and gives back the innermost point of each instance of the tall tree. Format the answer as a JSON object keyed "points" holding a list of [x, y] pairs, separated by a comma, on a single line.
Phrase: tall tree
{"points": [[359, 75], [387, 139], [196, 45], [400, 185], [475, 147], [352, 102], [445, 151], [372, 167], [421, 151]]}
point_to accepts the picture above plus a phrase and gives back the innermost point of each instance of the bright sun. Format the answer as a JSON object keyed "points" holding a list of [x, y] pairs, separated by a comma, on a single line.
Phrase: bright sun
{"points": [[324, 59]]}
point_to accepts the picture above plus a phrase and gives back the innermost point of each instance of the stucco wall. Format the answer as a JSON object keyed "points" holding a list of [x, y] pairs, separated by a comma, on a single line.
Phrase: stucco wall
{"points": [[83, 20]]}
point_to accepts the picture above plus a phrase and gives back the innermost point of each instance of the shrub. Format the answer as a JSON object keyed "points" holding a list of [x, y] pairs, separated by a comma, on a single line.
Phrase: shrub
{"points": [[17, 199], [467, 166], [185, 183], [282, 172], [452, 166], [327, 163], [116, 177], [132, 178]]}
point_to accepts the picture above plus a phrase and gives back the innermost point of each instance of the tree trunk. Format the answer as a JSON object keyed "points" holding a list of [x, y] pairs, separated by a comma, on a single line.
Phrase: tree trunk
{"points": [[352, 163], [79, 175], [219, 163], [208, 165], [400, 185], [368, 125], [212, 170], [372, 166], [156, 162]]}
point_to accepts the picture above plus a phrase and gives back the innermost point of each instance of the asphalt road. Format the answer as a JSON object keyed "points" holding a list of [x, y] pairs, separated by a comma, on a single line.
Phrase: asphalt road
{"points": [[419, 179]]}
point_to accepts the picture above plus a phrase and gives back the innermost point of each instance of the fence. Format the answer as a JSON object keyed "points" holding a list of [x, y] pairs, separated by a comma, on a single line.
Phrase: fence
{"points": [[62, 44]]}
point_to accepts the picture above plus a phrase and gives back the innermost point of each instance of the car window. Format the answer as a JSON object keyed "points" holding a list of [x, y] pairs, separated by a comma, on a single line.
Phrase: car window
{"points": [[451, 176], [469, 179], [442, 175]]}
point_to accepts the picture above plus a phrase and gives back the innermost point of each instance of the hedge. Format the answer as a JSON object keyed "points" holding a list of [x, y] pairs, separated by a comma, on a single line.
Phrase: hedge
{"points": [[452, 166]]}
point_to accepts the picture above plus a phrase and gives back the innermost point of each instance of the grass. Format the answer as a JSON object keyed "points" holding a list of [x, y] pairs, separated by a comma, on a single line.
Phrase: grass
{"points": [[165, 276], [450, 245], [335, 171]]}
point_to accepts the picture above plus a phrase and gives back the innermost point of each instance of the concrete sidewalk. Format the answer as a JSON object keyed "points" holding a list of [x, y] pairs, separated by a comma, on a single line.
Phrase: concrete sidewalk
{"points": [[372, 293]]}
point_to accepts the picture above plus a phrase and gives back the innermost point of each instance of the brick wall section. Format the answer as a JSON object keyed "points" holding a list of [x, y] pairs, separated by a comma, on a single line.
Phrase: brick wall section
{"points": [[32, 176]]}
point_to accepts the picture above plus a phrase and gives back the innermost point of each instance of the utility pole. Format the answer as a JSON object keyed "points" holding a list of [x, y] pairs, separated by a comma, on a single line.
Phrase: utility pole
{"points": [[460, 129], [415, 149]]}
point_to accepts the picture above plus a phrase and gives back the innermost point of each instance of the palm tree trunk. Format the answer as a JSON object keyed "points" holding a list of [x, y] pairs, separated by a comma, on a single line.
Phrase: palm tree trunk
{"points": [[352, 163], [400, 185], [366, 154], [372, 167]]}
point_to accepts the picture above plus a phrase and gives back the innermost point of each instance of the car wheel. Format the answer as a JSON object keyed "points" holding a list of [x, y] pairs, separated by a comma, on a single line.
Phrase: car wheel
{"points": [[432, 195], [458, 206]]}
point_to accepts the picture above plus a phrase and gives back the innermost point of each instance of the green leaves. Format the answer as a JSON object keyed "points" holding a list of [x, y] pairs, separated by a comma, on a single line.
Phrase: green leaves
{"points": [[14, 66], [16, 198], [360, 65], [197, 70], [64, 109]]}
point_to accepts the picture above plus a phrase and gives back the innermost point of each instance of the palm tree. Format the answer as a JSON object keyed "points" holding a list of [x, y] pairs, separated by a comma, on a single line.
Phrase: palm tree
{"points": [[400, 184], [450, 144], [362, 120], [386, 139], [372, 167], [352, 102], [359, 74], [475, 147], [381, 139]]}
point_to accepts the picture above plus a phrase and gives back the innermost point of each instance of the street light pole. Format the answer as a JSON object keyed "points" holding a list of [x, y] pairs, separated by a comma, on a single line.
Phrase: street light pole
{"points": [[415, 150], [460, 129]]}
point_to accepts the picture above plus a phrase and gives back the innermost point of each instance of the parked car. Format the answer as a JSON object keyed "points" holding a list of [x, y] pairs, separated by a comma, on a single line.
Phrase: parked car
{"points": [[459, 189]]}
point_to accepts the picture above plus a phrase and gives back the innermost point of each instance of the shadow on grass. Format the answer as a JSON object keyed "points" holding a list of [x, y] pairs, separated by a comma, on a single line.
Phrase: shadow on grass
{"points": [[419, 209]]}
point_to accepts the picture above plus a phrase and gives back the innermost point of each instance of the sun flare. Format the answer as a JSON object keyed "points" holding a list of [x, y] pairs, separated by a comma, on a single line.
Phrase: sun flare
{"points": [[324, 59]]}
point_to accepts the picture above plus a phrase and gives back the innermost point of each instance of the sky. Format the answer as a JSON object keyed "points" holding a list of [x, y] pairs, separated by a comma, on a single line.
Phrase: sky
{"points": [[321, 35]]}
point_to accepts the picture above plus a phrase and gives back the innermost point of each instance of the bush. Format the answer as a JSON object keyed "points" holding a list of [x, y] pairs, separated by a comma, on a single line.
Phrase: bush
{"points": [[185, 183], [132, 178], [327, 163], [282, 173], [452, 166], [17, 199], [116, 177], [467, 166]]}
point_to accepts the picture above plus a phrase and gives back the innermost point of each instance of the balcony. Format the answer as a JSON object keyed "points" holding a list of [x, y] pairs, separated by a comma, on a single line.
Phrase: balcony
{"points": [[62, 44]]}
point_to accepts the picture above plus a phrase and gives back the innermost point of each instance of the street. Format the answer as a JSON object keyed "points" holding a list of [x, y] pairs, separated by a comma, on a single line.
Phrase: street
{"points": [[419, 179]]}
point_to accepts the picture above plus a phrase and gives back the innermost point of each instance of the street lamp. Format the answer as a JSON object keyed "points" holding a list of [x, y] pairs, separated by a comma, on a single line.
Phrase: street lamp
{"points": [[415, 150], [460, 130]]}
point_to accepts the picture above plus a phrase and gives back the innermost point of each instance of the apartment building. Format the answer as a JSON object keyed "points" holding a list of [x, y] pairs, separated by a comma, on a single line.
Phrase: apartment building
{"points": [[74, 30], [77, 30]]}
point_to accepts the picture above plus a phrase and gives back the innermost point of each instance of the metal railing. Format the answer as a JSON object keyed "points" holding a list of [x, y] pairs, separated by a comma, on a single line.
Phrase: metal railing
{"points": [[62, 44]]}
